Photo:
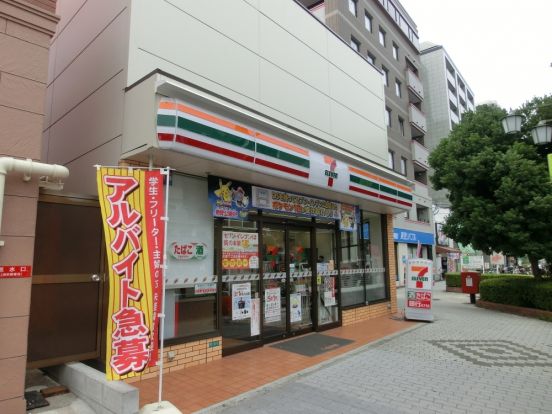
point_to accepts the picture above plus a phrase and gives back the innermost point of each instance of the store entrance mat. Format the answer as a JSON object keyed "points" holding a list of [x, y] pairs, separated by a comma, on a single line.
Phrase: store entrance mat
{"points": [[312, 345]]}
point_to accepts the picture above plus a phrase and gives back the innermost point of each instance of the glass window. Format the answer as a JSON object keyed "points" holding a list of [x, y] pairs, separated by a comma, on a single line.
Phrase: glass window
{"points": [[385, 74], [355, 44], [371, 58], [388, 117], [353, 7], [395, 51], [352, 282], [401, 125], [398, 91], [403, 166], [391, 160], [382, 37], [326, 276], [372, 255], [188, 312], [368, 22]]}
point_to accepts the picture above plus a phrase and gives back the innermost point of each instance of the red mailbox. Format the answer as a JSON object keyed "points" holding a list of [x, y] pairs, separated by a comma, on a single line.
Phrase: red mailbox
{"points": [[470, 284]]}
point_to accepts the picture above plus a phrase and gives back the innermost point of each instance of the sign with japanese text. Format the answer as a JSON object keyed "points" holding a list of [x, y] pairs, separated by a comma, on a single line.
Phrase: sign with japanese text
{"points": [[188, 251], [240, 250], [205, 288], [241, 301], [272, 305], [419, 282], [229, 198], [132, 206], [350, 216], [15, 272]]}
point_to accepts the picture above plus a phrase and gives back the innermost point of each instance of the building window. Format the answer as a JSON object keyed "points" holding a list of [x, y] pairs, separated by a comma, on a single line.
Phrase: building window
{"points": [[355, 44], [371, 58], [403, 166], [391, 159], [189, 314], [353, 7], [388, 117], [382, 37], [395, 51], [385, 74], [368, 22], [401, 125], [361, 250], [398, 88]]}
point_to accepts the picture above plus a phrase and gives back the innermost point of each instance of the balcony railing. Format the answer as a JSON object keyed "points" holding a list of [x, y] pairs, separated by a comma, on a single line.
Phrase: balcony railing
{"points": [[451, 79], [420, 154], [421, 189], [417, 122], [454, 118], [452, 98], [415, 87]]}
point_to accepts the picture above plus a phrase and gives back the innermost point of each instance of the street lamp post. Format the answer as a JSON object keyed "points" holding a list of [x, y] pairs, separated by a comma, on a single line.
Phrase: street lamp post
{"points": [[541, 134]]}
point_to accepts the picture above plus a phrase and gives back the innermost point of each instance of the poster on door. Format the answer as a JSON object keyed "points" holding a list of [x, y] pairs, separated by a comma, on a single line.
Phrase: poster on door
{"points": [[296, 314], [255, 317], [241, 301], [272, 305], [240, 250], [329, 291]]}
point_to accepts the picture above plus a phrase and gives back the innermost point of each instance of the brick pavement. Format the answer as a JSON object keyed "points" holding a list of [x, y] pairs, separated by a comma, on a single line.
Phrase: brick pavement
{"points": [[470, 360]]}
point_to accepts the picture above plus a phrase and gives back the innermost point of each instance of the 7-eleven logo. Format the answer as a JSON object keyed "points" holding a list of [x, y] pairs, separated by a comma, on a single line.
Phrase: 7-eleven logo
{"points": [[330, 173], [420, 272]]}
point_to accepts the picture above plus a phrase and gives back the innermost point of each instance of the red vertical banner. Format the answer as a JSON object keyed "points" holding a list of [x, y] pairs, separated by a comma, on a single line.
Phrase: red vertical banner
{"points": [[155, 228]]}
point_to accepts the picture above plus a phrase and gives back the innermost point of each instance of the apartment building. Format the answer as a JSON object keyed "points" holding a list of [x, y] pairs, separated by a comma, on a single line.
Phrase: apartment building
{"points": [[447, 97], [382, 32]]}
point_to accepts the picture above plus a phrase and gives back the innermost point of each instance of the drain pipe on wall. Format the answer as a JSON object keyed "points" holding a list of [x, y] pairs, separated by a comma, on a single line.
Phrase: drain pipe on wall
{"points": [[28, 167]]}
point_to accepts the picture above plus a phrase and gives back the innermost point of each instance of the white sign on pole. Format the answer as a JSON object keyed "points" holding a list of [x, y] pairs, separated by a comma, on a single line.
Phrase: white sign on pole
{"points": [[419, 282]]}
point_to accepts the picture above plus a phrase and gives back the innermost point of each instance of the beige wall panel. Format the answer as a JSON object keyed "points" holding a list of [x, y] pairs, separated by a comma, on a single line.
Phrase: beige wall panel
{"points": [[82, 177], [183, 44], [23, 58], [98, 63], [17, 250], [140, 116], [364, 138], [20, 133], [12, 379], [21, 93], [27, 34], [284, 50], [14, 405], [66, 9], [289, 95], [15, 186], [93, 18], [298, 23], [19, 216], [352, 94], [16, 296], [81, 131], [13, 342], [3, 24]]}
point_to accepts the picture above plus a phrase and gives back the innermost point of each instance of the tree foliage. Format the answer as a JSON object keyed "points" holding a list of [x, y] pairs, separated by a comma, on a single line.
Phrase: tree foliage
{"points": [[499, 187]]}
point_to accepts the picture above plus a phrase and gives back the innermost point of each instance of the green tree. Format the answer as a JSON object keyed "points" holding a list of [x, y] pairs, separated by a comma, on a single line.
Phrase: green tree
{"points": [[499, 187]]}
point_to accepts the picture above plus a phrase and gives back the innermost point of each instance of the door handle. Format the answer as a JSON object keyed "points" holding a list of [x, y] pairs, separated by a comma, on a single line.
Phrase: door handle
{"points": [[95, 278]]}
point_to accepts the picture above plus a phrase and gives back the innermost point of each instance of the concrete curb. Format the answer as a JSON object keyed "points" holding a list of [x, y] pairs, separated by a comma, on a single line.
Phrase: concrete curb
{"points": [[274, 384]]}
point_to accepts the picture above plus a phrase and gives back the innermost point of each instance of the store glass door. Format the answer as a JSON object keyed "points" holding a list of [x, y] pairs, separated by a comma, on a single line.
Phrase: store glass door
{"points": [[287, 280], [327, 278]]}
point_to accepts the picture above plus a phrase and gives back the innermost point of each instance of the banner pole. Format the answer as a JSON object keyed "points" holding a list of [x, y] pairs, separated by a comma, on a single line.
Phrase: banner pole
{"points": [[166, 172]]}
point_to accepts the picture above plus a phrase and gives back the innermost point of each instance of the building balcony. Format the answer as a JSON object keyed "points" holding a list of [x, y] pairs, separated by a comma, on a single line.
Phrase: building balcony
{"points": [[452, 98], [421, 190], [451, 79], [415, 87], [454, 118], [418, 125], [420, 154], [461, 94]]}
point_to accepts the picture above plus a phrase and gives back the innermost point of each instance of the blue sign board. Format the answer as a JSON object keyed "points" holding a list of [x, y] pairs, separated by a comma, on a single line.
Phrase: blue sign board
{"points": [[412, 237]]}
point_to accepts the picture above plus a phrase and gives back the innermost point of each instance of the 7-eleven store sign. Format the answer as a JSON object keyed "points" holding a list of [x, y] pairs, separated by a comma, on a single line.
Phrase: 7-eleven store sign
{"points": [[418, 289]]}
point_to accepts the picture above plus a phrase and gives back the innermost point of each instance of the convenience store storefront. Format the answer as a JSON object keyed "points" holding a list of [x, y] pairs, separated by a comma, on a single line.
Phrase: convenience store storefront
{"points": [[267, 238]]}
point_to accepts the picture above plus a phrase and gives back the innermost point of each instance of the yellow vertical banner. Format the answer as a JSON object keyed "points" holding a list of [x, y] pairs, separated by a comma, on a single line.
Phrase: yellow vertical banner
{"points": [[131, 202]]}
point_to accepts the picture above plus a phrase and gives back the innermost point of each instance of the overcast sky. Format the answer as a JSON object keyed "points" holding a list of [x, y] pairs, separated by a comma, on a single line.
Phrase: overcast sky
{"points": [[502, 48]]}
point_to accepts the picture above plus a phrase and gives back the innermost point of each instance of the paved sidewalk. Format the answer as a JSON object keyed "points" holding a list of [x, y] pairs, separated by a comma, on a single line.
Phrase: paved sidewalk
{"points": [[470, 360]]}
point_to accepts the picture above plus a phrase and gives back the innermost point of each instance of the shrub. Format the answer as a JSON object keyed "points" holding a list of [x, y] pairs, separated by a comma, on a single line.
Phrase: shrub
{"points": [[518, 291], [455, 280]]}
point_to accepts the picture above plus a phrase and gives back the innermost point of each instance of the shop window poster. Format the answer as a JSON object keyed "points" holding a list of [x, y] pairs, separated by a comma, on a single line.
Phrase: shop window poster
{"points": [[229, 199], [349, 217], [296, 314], [241, 301], [240, 250], [272, 305]]}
